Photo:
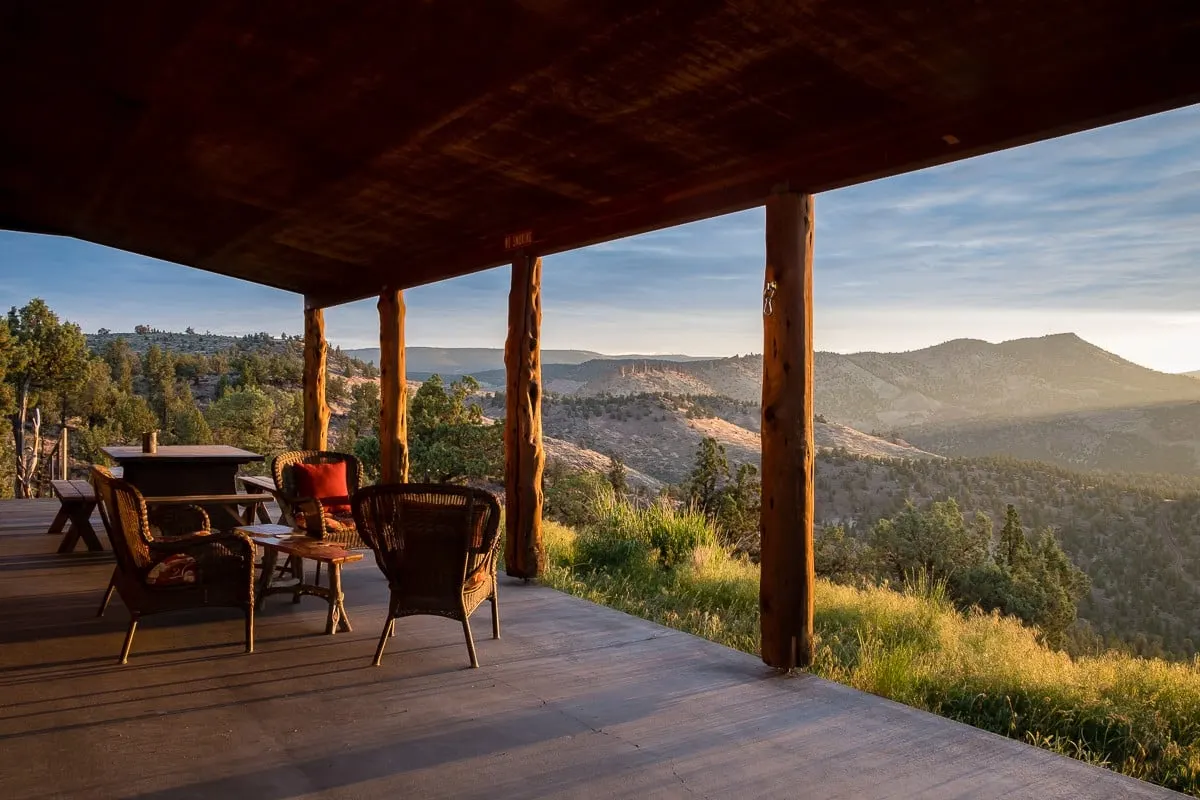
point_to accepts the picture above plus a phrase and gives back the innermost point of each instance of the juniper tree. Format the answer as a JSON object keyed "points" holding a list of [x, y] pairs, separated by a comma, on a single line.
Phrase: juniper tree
{"points": [[711, 470], [1013, 550], [45, 355]]}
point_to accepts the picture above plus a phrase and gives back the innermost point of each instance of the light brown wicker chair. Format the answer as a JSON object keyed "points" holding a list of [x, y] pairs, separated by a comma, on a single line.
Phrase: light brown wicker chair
{"points": [[438, 546], [224, 562], [293, 505]]}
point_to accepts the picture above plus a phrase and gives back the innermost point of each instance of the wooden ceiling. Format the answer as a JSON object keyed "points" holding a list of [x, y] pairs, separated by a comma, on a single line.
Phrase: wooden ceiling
{"points": [[333, 148]]}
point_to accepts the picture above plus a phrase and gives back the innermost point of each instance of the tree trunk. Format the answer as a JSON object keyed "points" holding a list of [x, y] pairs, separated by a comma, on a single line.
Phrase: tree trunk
{"points": [[788, 452], [393, 390], [524, 458], [24, 467], [18, 431], [316, 410]]}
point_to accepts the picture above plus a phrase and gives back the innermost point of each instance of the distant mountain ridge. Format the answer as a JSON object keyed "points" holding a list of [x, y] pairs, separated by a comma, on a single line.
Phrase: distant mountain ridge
{"points": [[963, 379], [1055, 398], [473, 360]]}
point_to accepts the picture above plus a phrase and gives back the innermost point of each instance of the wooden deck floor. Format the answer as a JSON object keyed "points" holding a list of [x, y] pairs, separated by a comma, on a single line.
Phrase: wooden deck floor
{"points": [[576, 700]]}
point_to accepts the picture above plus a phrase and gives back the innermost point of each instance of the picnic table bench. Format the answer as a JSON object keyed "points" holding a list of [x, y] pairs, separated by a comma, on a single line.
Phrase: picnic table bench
{"points": [[78, 502], [261, 484]]}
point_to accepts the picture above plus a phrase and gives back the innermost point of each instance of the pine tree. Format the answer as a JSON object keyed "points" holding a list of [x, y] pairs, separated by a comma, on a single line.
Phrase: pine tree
{"points": [[617, 476], [709, 473], [1013, 550]]}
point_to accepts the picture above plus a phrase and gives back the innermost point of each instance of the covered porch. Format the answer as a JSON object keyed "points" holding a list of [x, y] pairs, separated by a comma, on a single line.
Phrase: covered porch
{"points": [[346, 155], [576, 700]]}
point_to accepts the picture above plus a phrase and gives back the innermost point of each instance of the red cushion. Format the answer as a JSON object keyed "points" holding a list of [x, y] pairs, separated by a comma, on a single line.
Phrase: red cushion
{"points": [[327, 483], [173, 570]]}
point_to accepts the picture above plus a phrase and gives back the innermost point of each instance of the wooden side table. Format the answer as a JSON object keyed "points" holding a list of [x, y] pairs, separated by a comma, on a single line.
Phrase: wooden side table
{"points": [[276, 539]]}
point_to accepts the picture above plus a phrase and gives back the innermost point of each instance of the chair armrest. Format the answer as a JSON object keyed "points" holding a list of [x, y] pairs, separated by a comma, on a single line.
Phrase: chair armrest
{"points": [[198, 544], [481, 559], [174, 521]]}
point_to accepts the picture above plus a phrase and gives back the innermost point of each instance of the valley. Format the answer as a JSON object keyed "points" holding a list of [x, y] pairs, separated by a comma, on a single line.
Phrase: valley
{"points": [[1103, 452]]}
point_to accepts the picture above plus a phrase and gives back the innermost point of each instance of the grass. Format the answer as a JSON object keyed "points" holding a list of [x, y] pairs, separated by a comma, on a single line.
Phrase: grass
{"points": [[1137, 716]]}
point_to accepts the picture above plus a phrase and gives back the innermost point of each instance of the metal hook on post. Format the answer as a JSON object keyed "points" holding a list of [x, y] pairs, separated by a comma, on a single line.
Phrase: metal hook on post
{"points": [[769, 298]]}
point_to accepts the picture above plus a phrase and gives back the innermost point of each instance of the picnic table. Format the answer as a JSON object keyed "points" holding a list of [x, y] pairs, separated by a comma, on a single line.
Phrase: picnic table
{"points": [[188, 471]]}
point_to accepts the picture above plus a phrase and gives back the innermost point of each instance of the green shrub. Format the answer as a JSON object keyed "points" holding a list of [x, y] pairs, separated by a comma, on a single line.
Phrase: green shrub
{"points": [[622, 536], [617, 540], [675, 534], [568, 495]]}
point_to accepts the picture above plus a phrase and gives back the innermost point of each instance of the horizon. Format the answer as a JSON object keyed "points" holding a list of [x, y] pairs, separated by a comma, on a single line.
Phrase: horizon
{"points": [[664, 355], [1097, 233]]}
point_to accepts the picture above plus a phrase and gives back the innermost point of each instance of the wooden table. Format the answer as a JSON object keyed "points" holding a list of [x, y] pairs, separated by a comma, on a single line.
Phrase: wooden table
{"points": [[181, 470], [276, 539]]}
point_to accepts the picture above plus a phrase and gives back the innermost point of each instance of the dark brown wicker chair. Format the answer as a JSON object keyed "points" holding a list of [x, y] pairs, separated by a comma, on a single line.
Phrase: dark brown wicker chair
{"points": [[224, 562], [293, 505], [437, 545]]}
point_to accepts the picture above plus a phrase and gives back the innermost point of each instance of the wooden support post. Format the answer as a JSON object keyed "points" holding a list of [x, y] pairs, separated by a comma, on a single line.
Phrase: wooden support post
{"points": [[524, 459], [788, 451], [316, 411], [393, 389], [64, 454]]}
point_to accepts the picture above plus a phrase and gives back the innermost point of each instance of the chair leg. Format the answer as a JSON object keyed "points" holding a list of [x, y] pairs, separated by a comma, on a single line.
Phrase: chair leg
{"points": [[108, 593], [133, 621], [389, 625], [317, 575], [470, 643], [299, 573], [495, 614], [250, 627]]}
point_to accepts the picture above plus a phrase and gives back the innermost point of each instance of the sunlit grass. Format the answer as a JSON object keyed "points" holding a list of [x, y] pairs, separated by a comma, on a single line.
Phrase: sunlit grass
{"points": [[1138, 716]]}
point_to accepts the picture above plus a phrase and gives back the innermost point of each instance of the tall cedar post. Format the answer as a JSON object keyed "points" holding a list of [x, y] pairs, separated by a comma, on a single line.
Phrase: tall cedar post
{"points": [[316, 411], [788, 452], [393, 389], [64, 454], [524, 459]]}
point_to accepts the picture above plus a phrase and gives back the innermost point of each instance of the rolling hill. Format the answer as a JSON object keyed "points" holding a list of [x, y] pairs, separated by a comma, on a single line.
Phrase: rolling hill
{"points": [[658, 435], [1054, 398], [456, 361]]}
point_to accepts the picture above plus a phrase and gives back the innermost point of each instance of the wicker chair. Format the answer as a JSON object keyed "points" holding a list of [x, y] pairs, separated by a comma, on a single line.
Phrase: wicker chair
{"points": [[292, 504], [224, 563], [437, 545]]}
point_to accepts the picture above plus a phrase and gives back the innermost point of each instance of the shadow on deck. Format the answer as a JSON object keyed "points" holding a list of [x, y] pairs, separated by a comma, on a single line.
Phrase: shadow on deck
{"points": [[576, 700]]}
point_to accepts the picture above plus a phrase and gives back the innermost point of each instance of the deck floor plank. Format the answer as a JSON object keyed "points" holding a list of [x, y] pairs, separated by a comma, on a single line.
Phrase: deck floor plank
{"points": [[576, 700]]}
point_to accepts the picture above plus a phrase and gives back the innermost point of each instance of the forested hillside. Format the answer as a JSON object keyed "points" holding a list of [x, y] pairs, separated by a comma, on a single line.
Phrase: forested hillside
{"points": [[1137, 537]]}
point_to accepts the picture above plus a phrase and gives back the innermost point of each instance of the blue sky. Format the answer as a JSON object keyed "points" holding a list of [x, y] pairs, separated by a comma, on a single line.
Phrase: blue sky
{"points": [[1096, 233]]}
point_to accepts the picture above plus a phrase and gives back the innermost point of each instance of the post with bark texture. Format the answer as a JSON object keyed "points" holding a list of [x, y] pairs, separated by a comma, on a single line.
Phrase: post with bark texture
{"points": [[393, 389], [64, 455], [524, 459], [316, 411], [788, 452]]}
